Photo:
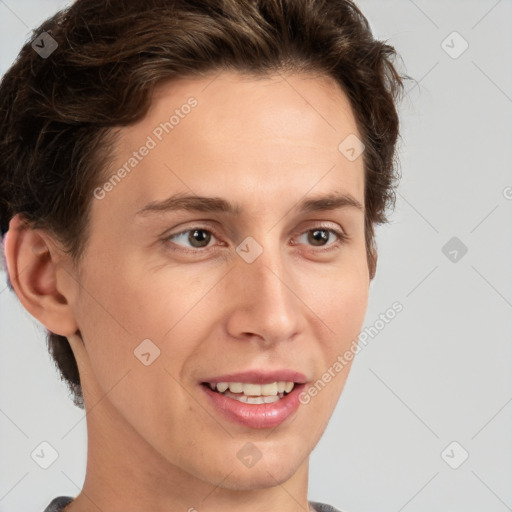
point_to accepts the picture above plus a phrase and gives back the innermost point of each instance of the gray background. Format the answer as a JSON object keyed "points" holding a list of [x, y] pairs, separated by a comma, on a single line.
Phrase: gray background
{"points": [[440, 371]]}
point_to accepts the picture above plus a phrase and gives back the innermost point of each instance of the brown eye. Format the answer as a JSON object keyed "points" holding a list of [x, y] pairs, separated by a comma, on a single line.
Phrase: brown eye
{"points": [[318, 236], [321, 236], [197, 238]]}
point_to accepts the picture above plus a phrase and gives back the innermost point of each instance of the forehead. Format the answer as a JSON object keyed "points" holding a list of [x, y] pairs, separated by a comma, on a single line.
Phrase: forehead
{"points": [[233, 106], [238, 134]]}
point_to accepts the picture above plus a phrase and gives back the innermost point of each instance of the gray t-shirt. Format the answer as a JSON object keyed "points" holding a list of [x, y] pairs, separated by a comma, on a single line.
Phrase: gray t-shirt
{"points": [[59, 503]]}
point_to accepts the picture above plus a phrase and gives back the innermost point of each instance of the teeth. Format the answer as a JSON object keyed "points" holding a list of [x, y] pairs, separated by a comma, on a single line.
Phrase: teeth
{"points": [[262, 399], [236, 387], [271, 390], [222, 386], [252, 399], [251, 389]]}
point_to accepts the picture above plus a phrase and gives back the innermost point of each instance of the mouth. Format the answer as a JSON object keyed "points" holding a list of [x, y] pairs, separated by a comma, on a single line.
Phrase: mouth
{"points": [[254, 399], [250, 393]]}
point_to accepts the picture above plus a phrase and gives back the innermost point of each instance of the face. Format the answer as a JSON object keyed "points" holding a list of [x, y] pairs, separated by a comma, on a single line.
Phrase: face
{"points": [[251, 280]]}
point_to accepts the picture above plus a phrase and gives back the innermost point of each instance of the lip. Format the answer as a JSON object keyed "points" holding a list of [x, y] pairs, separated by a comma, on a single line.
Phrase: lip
{"points": [[259, 377], [258, 416]]}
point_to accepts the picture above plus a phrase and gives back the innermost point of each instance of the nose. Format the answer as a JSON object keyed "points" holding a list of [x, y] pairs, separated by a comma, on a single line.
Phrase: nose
{"points": [[265, 304]]}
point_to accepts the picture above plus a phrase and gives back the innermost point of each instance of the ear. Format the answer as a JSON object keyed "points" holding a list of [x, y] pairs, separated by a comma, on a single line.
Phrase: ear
{"points": [[42, 285], [372, 263]]}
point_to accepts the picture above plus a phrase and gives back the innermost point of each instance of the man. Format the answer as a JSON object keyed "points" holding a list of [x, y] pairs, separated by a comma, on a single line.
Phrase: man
{"points": [[189, 194]]}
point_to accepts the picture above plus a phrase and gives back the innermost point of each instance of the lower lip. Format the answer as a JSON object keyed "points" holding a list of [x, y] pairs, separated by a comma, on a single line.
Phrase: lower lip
{"points": [[256, 415]]}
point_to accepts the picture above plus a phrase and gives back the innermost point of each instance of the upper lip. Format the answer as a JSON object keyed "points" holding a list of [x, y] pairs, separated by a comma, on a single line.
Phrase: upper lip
{"points": [[260, 377]]}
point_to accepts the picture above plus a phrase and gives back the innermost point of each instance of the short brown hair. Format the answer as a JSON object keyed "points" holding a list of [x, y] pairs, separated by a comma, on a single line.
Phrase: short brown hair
{"points": [[57, 113]]}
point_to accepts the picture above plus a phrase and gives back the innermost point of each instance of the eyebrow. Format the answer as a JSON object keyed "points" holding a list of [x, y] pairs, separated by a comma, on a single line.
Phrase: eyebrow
{"points": [[219, 205]]}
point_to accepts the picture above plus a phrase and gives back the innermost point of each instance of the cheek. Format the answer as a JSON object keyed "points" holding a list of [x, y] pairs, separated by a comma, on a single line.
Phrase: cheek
{"points": [[113, 317], [348, 306], [345, 311], [129, 306], [340, 297], [134, 317], [129, 360], [343, 307]]}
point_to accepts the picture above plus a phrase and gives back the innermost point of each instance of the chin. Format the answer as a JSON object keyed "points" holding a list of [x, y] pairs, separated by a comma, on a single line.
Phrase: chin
{"points": [[277, 465], [257, 478]]}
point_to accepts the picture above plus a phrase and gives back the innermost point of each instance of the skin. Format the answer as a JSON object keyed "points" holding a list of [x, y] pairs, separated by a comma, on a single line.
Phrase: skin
{"points": [[266, 144]]}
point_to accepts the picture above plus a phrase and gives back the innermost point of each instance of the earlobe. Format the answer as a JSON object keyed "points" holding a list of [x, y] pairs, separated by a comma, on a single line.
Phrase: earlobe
{"points": [[373, 263], [32, 268], [77, 345]]}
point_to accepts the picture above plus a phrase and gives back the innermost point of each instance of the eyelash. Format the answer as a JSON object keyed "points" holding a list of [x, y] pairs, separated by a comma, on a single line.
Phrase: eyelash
{"points": [[342, 238]]}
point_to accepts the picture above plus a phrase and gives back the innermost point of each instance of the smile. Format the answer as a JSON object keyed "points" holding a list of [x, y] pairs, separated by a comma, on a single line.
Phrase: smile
{"points": [[255, 394], [255, 399]]}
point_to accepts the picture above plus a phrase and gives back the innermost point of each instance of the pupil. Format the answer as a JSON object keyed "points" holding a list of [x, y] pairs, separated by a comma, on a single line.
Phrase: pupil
{"points": [[323, 237], [193, 238]]}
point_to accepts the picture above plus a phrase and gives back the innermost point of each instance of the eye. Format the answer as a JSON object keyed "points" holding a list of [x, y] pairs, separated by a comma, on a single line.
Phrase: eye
{"points": [[198, 237], [319, 236]]}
